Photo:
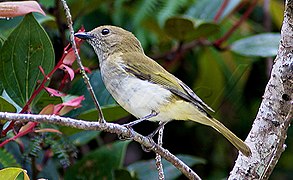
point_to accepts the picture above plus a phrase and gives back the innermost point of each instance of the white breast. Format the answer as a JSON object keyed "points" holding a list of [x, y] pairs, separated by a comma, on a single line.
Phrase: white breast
{"points": [[138, 97]]}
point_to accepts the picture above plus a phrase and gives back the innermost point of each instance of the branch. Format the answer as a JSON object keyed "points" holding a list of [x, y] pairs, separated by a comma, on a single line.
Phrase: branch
{"points": [[219, 42], [158, 158], [268, 134], [78, 60], [107, 127]]}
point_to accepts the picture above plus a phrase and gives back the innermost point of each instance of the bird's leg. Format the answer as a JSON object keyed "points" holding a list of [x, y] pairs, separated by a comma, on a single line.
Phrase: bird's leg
{"points": [[161, 125], [152, 114], [129, 125], [150, 136]]}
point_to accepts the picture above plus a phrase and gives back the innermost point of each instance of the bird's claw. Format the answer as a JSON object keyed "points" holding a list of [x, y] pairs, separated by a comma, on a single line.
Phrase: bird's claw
{"points": [[130, 133], [147, 149]]}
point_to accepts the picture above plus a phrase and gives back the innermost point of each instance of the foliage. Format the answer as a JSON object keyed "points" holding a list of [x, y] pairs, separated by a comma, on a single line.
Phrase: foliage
{"points": [[147, 169], [13, 173], [199, 41]]}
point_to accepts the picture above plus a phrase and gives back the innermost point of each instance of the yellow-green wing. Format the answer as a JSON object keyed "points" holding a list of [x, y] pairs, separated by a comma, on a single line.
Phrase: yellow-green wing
{"points": [[147, 69]]}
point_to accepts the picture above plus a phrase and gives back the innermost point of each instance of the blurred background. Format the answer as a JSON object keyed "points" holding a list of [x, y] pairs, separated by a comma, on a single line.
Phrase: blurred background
{"points": [[222, 49]]}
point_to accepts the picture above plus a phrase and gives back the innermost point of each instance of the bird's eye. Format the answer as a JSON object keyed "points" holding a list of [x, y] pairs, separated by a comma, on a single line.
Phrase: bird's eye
{"points": [[105, 31]]}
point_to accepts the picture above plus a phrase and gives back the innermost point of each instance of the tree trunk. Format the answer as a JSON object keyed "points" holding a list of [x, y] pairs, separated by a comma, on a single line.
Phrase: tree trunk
{"points": [[269, 131]]}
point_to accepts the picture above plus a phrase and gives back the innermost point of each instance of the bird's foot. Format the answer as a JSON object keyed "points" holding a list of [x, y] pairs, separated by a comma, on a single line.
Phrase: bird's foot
{"points": [[131, 124], [148, 149], [130, 133], [150, 136]]}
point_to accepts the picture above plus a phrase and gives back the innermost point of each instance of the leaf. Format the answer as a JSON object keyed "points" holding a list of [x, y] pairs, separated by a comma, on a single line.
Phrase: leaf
{"points": [[27, 48], [169, 8], [83, 137], [1, 88], [7, 159], [45, 101], [206, 10], [147, 169], [210, 80], [81, 8], [122, 174], [276, 12], [186, 29], [5, 106], [103, 96], [68, 70], [12, 173], [70, 103], [99, 164], [12, 9], [111, 113], [54, 92], [261, 45]]}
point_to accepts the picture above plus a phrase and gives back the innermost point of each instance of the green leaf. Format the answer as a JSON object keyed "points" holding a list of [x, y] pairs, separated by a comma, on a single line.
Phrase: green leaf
{"points": [[1, 87], [83, 137], [169, 8], [5, 106], [276, 12], [210, 80], [122, 174], [147, 169], [110, 112], [27, 48], [45, 100], [8, 25], [7, 159], [261, 45], [206, 10], [186, 29], [99, 164], [103, 96], [13, 173], [80, 8]]}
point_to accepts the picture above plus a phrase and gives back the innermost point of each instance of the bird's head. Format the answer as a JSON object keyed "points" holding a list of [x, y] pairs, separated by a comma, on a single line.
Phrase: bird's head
{"points": [[107, 40]]}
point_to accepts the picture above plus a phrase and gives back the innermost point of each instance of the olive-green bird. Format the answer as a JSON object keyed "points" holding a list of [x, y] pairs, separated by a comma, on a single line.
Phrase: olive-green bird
{"points": [[143, 87]]}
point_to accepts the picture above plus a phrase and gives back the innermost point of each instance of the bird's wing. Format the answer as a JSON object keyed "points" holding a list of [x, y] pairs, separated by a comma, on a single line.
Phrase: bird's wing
{"points": [[147, 69]]}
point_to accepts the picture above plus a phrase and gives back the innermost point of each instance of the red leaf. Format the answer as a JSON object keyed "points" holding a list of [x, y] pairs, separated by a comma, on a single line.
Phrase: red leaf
{"points": [[69, 57], [77, 40], [87, 70], [23, 131], [13, 9], [54, 92], [49, 109], [75, 102], [57, 109], [69, 70], [48, 130], [65, 109]]}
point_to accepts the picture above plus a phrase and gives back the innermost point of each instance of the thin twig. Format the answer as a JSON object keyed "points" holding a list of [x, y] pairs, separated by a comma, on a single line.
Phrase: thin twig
{"points": [[158, 158], [84, 76], [219, 42], [221, 10], [107, 127]]}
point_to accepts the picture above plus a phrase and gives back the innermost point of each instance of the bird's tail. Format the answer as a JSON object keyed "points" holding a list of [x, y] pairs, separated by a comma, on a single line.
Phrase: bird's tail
{"points": [[217, 125], [237, 142]]}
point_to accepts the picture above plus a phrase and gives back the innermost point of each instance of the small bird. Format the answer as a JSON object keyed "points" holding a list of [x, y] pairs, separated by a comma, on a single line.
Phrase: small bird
{"points": [[143, 87]]}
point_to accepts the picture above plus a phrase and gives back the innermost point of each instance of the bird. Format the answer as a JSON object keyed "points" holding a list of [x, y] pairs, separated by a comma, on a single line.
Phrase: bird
{"points": [[143, 87]]}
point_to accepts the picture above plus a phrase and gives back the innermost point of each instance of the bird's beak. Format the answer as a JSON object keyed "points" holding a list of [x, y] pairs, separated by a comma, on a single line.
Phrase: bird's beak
{"points": [[83, 35]]}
